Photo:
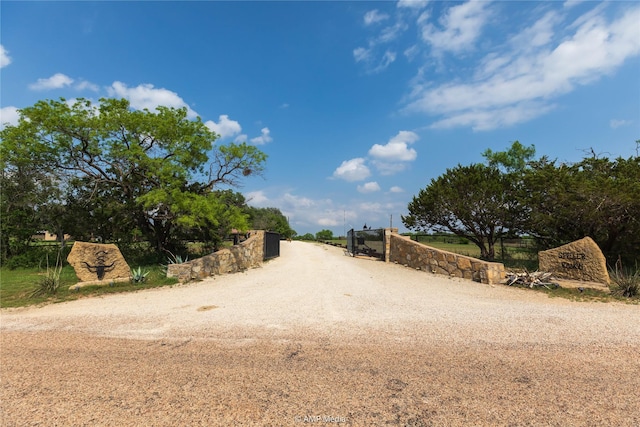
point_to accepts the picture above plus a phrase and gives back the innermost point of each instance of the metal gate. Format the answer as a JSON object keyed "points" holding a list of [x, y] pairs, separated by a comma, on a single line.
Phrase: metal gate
{"points": [[366, 242], [271, 245]]}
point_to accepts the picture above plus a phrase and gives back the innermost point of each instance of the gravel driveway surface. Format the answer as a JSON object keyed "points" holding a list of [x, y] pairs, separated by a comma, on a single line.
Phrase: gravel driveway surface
{"points": [[317, 337]]}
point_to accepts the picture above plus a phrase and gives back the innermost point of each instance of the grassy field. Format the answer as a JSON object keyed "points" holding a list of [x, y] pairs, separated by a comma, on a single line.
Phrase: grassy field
{"points": [[16, 286]]}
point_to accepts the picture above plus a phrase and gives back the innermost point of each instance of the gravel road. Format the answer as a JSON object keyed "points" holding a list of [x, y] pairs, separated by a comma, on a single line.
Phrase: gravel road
{"points": [[317, 337]]}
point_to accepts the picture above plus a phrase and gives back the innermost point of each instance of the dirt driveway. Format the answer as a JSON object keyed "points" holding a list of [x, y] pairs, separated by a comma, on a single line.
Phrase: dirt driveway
{"points": [[316, 337]]}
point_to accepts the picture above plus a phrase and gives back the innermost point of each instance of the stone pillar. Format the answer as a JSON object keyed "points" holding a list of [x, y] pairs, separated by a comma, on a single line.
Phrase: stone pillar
{"points": [[387, 242]]}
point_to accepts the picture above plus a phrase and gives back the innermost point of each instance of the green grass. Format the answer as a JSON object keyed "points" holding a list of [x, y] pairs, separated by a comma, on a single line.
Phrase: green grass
{"points": [[17, 285], [516, 257], [587, 295], [342, 242]]}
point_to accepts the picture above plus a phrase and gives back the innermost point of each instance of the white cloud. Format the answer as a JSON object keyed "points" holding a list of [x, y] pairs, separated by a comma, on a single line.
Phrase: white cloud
{"points": [[520, 82], [397, 149], [412, 4], [225, 126], [571, 3], [374, 16], [297, 201], [264, 138], [56, 81], [411, 52], [5, 59], [8, 116], [365, 55], [310, 215], [85, 85], [241, 138], [391, 33], [352, 170], [374, 63], [396, 189], [146, 96], [369, 187], [301, 211], [370, 206], [257, 199], [328, 222], [616, 123], [361, 54], [387, 59], [393, 156], [539, 34], [59, 80], [489, 119], [461, 27], [323, 215], [389, 168]]}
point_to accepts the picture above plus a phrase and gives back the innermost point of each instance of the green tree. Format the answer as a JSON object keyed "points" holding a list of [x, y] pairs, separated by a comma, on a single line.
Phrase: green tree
{"points": [[307, 236], [270, 219], [22, 190], [30, 196], [596, 197], [475, 202], [324, 235], [158, 172], [513, 160]]}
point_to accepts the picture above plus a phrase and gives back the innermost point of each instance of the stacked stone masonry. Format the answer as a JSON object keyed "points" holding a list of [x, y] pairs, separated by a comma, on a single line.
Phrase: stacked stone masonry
{"points": [[247, 254], [403, 250]]}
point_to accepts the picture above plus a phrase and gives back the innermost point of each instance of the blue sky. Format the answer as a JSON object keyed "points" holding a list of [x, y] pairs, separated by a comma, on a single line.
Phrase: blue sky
{"points": [[357, 104]]}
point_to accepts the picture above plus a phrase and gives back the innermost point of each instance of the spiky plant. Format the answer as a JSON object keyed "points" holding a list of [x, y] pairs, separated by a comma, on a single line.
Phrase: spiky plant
{"points": [[50, 283], [626, 280], [139, 276]]}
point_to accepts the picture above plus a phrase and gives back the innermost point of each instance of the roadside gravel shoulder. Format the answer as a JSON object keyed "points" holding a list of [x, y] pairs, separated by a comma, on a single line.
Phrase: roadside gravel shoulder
{"points": [[318, 333]]}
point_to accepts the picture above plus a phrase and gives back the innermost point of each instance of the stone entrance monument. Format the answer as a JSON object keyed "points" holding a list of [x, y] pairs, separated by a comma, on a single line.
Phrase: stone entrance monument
{"points": [[580, 260], [96, 263]]}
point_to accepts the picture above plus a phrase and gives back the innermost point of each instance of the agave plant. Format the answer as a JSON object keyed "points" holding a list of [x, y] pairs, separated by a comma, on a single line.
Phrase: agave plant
{"points": [[627, 281], [139, 276], [177, 259], [173, 259]]}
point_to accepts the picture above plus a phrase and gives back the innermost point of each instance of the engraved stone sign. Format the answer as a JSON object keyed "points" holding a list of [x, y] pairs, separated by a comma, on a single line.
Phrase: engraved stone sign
{"points": [[579, 260], [94, 262]]}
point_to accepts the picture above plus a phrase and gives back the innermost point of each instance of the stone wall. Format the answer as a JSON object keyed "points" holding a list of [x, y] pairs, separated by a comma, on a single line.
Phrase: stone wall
{"points": [[248, 254], [405, 251]]}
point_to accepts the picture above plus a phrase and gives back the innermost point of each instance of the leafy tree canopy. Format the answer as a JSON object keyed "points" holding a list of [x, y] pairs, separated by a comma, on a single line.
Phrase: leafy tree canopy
{"points": [[270, 219], [470, 201], [324, 235], [157, 171], [596, 197], [307, 236], [554, 202], [513, 160]]}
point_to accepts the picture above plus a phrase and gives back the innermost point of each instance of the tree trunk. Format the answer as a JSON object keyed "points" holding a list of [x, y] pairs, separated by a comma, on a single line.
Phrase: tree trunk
{"points": [[484, 252], [491, 253]]}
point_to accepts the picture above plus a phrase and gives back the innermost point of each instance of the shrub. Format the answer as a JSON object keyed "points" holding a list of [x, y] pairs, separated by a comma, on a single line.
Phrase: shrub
{"points": [[173, 259], [49, 284], [139, 276], [35, 256], [627, 281]]}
